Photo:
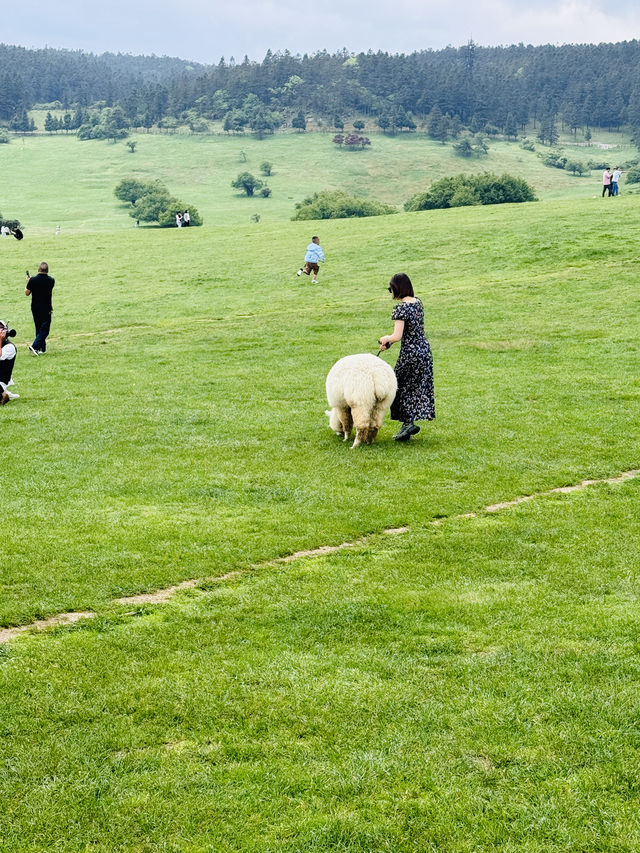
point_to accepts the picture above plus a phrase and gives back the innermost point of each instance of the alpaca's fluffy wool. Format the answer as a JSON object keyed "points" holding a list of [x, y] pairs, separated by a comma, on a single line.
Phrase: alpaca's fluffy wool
{"points": [[360, 390]]}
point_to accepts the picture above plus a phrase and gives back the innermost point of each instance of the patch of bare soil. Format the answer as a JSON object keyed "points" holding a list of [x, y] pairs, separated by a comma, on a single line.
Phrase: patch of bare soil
{"points": [[7, 634]]}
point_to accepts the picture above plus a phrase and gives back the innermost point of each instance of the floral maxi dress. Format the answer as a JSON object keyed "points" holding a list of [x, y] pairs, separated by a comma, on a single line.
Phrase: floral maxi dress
{"points": [[415, 400]]}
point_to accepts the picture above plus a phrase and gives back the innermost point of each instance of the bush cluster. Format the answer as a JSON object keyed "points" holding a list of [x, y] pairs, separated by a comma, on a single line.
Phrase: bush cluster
{"points": [[553, 158], [352, 141], [633, 175], [338, 205], [464, 190], [151, 201], [12, 224]]}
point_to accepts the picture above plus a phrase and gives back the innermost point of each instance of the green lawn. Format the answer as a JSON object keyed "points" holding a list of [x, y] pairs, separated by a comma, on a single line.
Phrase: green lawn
{"points": [[471, 686], [50, 181]]}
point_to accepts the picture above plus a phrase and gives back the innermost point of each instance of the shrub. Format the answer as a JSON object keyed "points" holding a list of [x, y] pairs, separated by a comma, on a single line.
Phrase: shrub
{"points": [[150, 206], [266, 168], [354, 141], [553, 158], [247, 182], [576, 168], [152, 202], [461, 190], [528, 145], [463, 197], [167, 218], [464, 148], [338, 205], [633, 175], [130, 189], [12, 224], [265, 192], [4, 137]]}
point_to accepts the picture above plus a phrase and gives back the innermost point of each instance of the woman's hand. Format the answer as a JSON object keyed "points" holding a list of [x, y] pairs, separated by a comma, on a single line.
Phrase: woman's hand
{"points": [[385, 342]]}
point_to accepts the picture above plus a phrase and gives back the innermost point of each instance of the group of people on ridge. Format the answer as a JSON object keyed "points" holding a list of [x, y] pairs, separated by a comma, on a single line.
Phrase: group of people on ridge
{"points": [[610, 181]]}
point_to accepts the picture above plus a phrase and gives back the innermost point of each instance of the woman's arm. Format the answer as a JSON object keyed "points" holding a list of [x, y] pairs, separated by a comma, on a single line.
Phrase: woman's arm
{"points": [[398, 330]]}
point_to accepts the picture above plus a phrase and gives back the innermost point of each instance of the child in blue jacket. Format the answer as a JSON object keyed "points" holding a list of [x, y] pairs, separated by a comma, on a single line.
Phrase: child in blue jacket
{"points": [[313, 255]]}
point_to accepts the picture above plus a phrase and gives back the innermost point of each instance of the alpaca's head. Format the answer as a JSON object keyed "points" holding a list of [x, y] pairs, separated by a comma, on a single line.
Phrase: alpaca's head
{"points": [[334, 421]]}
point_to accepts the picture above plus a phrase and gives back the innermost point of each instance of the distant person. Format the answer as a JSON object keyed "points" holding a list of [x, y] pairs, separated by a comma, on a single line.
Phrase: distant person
{"points": [[58, 229], [39, 288], [311, 258], [615, 179], [179, 220], [8, 353], [415, 399], [186, 218], [606, 182], [4, 231]]}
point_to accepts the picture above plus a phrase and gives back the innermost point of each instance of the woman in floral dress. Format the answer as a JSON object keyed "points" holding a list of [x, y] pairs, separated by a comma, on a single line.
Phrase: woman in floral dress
{"points": [[415, 399]]}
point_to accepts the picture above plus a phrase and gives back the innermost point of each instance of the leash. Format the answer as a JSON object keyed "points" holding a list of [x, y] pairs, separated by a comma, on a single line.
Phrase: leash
{"points": [[386, 346]]}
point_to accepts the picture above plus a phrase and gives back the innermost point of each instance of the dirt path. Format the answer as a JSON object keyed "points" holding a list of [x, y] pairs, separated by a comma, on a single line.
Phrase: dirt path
{"points": [[161, 595]]}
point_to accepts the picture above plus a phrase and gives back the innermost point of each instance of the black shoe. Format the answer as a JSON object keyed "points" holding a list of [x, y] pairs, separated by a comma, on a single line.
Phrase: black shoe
{"points": [[406, 431]]}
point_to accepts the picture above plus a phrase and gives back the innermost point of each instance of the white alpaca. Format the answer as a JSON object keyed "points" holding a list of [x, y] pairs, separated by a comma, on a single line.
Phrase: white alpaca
{"points": [[360, 390]]}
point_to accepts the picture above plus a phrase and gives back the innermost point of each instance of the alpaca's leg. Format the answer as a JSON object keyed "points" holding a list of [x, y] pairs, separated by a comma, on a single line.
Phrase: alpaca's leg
{"points": [[346, 420], [361, 421]]}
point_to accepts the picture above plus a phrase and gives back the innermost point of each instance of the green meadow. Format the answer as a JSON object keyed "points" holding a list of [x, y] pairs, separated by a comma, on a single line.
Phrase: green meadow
{"points": [[57, 180], [465, 685]]}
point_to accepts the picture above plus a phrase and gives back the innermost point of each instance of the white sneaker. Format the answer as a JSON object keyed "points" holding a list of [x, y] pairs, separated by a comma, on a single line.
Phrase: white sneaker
{"points": [[33, 351], [12, 396], [314, 281], [299, 272]]}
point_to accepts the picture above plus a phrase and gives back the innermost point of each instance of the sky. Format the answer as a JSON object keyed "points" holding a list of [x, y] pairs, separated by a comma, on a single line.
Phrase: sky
{"points": [[206, 30]]}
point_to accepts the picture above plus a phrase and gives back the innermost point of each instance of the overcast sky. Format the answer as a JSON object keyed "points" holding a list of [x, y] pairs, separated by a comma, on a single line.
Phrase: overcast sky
{"points": [[205, 30]]}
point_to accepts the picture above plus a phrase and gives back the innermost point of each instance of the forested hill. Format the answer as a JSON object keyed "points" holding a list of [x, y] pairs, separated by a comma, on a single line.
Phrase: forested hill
{"points": [[585, 85], [72, 77]]}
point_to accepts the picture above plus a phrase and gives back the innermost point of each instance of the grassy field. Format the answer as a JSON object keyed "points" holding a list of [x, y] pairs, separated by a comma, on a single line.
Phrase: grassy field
{"points": [[50, 181], [462, 687]]}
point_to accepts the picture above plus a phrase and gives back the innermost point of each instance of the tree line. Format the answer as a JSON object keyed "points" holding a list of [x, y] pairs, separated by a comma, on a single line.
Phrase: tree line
{"points": [[506, 88]]}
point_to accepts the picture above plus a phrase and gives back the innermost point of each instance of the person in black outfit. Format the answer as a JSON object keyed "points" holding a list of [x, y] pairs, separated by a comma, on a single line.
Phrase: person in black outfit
{"points": [[415, 399], [39, 287]]}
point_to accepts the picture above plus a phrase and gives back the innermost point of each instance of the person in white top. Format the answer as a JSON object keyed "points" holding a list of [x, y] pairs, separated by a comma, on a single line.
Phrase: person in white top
{"points": [[614, 180], [8, 355]]}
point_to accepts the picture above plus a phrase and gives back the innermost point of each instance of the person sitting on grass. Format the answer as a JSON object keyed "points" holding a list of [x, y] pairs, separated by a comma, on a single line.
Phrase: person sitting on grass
{"points": [[313, 255], [8, 353]]}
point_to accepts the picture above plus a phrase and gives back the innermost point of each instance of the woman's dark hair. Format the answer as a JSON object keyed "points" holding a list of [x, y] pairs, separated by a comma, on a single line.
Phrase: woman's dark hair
{"points": [[400, 285]]}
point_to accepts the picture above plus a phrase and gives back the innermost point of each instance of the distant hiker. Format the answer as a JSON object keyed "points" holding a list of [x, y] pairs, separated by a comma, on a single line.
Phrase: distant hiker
{"points": [[313, 255], [39, 288], [179, 220], [186, 218], [8, 353], [606, 182], [615, 178]]}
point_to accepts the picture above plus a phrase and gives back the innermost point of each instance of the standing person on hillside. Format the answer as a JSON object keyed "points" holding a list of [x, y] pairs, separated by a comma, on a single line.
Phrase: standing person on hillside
{"points": [[39, 288], [606, 182], [8, 353], [186, 218], [615, 178], [179, 219], [415, 399], [311, 258]]}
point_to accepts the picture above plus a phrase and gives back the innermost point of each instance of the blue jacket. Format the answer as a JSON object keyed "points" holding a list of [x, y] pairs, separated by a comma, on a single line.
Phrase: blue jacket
{"points": [[314, 253]]}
